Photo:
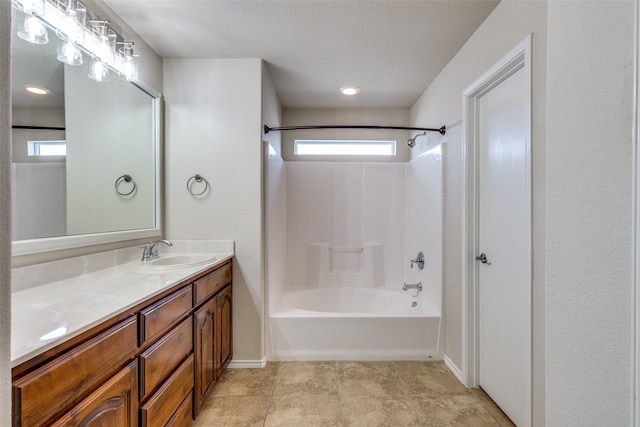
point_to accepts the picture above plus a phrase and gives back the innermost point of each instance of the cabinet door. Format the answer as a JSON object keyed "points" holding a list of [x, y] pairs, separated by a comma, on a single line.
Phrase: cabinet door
{"points": [[205, 351], [115, 404], [224, 330]]}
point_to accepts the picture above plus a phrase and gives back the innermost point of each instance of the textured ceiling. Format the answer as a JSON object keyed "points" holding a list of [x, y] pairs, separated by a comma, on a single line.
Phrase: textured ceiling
{"points": [[392, 50]]}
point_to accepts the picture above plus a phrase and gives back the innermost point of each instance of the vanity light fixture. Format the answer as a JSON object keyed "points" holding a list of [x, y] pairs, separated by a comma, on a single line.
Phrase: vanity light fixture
{"points": [[350, 90], [37, 90], [71, 32], [129, 63], [32, 28], [78, 35]]}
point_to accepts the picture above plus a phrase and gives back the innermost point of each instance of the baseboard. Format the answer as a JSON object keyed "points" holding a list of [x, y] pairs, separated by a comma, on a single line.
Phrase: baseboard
{"points": [[453, 368], [242, 364]]}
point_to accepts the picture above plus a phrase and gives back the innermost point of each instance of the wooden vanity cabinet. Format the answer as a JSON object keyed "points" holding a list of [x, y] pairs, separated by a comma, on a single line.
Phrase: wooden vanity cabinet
{"points": [[41, 395], [212, 332], [151, 366]]}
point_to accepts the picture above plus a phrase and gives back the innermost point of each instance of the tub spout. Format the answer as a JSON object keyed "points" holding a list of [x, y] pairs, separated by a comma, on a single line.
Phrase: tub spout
{"points": [[408, 286]]}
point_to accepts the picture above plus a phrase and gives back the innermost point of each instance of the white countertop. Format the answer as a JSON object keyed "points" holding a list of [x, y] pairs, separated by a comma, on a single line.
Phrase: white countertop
{"points": [[49, 314]]}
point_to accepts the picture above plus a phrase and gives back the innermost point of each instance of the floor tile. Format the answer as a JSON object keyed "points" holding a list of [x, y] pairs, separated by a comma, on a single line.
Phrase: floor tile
{"points": [[369, 379], [464, 410], [378, 411], [494, 409], [427, 378], [307, 411], [233, 411], [306, 378], [247, 382]]}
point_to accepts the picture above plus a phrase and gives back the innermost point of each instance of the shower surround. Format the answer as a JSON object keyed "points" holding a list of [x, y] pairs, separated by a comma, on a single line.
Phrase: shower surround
{"points": [[340, 239]]}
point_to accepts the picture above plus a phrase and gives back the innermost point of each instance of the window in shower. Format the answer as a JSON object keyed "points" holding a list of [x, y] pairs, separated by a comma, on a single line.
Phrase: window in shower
{"points": [[46, 148], [308, 147]]}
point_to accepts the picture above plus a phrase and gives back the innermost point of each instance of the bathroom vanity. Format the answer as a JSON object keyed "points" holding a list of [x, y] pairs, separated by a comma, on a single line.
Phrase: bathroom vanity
{"points": [[149, 364]]}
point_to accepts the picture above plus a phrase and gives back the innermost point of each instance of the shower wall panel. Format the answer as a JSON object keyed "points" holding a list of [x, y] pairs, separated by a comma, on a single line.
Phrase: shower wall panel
{"points": [[424, 221], [346, 206]]}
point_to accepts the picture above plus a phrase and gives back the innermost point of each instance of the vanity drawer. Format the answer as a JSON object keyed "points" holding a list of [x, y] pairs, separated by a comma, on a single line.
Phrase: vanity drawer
{"points": [[159, 317], [45, 391], [184, 415], [208, 285], [166, 402], [162, 358]]}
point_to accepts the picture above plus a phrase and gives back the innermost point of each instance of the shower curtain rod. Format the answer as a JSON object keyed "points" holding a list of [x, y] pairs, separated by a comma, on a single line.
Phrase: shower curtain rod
{"points": [[268, 129], [37, 127]]}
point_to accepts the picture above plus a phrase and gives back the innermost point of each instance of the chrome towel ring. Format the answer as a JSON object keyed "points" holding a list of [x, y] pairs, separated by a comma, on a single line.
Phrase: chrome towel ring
{"points": [[197, 179], [125, 178]]}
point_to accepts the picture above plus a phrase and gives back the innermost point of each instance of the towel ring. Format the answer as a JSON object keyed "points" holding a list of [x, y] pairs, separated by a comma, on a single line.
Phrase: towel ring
{"points": [[120, 180], [197, 178]]}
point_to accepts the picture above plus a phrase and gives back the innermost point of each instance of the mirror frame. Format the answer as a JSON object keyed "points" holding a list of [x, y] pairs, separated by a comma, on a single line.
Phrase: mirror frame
{"points": [[35, 246]]}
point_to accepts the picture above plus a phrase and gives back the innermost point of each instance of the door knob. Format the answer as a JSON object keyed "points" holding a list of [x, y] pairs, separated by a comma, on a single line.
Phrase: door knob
{"points": [[483, 259]]}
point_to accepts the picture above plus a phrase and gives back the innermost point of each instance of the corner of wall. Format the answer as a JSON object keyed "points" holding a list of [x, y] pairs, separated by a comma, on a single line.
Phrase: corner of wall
{"points": [[5, 214]]}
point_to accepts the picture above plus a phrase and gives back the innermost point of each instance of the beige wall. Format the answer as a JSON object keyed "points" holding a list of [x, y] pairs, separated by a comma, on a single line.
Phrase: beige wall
{"points": [[214, 129], [347, 116], [441, 103], [5, 215]]}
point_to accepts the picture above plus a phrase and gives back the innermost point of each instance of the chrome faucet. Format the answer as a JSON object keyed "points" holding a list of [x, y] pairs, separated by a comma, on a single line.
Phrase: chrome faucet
{"points": [[408, 286], [150, 251]]}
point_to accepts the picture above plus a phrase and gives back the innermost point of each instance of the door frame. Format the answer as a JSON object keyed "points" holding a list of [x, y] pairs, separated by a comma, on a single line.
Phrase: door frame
{"points": [[517, 59], [635, 395]]}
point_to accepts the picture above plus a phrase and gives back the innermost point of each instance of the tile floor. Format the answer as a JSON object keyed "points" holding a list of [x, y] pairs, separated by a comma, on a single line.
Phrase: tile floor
{"points": [[367, 394]]}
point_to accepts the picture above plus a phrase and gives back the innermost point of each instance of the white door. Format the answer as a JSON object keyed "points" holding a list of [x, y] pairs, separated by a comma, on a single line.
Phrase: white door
{"points": [[503, 236]]}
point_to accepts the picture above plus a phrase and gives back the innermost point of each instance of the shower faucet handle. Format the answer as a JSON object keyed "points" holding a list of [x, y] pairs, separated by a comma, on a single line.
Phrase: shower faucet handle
{"points": [[418, 260]]}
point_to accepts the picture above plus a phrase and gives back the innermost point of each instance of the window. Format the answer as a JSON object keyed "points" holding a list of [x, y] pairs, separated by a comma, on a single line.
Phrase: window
{"points": [[47, 148], [306, 147]]}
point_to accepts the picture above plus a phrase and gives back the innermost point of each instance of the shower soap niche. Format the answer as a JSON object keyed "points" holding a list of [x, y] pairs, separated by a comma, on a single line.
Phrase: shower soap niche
{"points": [[345, 260]]}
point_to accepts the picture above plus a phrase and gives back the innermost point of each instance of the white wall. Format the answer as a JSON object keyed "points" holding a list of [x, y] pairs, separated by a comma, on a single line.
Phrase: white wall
{"points": [[441, 103], [213, 128], [589, 201], [346, 116], [274, 182], [5, 215], [38, 194]]}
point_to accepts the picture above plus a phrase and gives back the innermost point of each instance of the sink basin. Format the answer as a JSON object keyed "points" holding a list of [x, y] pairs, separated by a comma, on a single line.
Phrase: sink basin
{"points": [[179, 260]]}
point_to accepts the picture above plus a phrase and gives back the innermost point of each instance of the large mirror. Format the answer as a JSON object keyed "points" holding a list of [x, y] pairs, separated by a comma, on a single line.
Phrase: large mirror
{"points": [[85, 154]]}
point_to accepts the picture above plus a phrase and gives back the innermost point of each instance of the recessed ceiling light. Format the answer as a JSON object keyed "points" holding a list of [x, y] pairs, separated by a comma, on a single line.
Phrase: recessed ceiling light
{"points": [[350, 90], [36, 90]]}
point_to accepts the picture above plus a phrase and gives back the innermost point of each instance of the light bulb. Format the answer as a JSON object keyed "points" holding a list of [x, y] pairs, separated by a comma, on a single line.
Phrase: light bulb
{"points": [[69, 53], [130, 68], [98, 71], [33, 31]]}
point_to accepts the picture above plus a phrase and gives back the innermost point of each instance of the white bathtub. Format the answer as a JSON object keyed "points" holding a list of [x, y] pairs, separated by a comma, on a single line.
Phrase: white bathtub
{"points": [[354, 324]]}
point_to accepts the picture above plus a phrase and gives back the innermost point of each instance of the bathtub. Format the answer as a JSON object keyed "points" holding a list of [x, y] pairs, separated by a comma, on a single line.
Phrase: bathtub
{"points": [[339, 323]]}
